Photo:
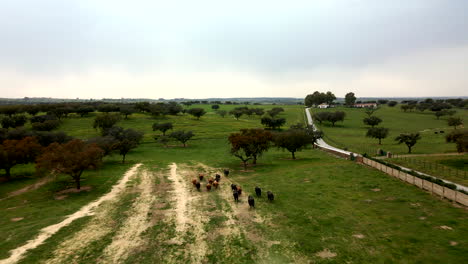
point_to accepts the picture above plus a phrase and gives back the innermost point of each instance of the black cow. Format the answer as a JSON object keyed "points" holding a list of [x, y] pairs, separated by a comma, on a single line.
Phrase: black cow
{"points": [[226, 172], [270, 195], [236, 196], [258, 191], [198, 185], [251, 201]]}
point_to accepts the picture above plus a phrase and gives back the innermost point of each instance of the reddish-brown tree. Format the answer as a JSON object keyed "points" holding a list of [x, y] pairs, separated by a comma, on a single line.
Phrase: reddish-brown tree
{"points": [[71, 158], [259, 140], [13, 152]]}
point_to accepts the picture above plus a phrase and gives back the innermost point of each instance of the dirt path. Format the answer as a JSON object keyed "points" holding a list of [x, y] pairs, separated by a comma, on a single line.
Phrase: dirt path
{"points": [[18, 253], [28, 188], [189, 220], [128, 238]]}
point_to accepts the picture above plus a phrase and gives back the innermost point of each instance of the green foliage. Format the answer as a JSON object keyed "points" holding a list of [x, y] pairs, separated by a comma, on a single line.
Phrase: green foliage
{"points": [[455, 121], [350, 99], [318, 98], [293, 140], [410, 139], [182, 136], [221, 113], [272, 123], [14, 121], [372, 121], [392, 103], [47, 125], [215, 107], [460, 138], [163, 127], [127, 139], [106, 121], [127, 110], [377, 132], [196, 112]]}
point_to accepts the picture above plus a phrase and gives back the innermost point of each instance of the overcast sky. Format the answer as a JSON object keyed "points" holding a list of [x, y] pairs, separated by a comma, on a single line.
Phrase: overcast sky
{"points": [[204, 48]]}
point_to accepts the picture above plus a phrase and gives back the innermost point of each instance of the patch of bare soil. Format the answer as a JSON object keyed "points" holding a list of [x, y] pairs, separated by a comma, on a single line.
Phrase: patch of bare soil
{"points": [[18, 253], [188, 218], [16, 219], [128, 237], [326, 253], [444, 227], [360, 236], [31, 187], [376, 190]]}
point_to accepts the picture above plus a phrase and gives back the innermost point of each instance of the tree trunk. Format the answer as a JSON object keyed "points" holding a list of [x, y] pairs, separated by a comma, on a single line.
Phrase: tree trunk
{"points": [[8, 175], [245, 165], [184, 144], [254, 159], [409, 149], [123, 158], [380, 141], [77, 181], [293, 156]]}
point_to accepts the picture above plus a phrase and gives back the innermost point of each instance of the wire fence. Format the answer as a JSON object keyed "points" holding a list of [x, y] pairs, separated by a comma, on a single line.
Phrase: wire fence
{"points": [[432, 168]]}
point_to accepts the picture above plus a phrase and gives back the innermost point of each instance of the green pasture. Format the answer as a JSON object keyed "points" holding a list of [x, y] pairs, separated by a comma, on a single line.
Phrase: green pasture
{"points": [[351, 133], [452, 168], [322, 202]]}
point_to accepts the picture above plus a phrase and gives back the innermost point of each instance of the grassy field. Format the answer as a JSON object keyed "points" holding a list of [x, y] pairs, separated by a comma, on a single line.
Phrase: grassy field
{"points": [[351, 133], [452, 168], [326, 210]]}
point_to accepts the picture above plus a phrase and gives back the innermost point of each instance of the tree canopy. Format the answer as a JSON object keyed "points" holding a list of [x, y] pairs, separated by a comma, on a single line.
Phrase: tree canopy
{"points": [[350, 99], [377, 132], [14, 152], [197, 112], [71, 158], [182, 136], [372, 121], [410, 139]]}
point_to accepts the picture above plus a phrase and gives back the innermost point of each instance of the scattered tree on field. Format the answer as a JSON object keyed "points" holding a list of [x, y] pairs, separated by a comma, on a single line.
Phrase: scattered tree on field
{"points": [[370, 111], [197, 112], [336, 116], [410, 139], [163, 127], [275, 111], [10, 110], [106, 143], [241, 147], [460, 138], [127, 139], [14, 152], [372, 121], [321, 116], [71, 158], [444, 112], [455, 121], [13, 121], [237, 113], [350, 99], [293, 140], [222, 113], [392, 103], [318, 98], [31, 109], [259, 140], [47, 125], [127, 110], [182, 136], [272, 123], [105, 122], [406, 107], [377, 132], [84, 110], [215, 107]]}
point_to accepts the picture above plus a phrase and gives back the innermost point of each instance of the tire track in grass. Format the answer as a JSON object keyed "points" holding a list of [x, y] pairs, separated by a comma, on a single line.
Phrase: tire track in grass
{"points": [[87, 210], [188, 218], [128, 238]]}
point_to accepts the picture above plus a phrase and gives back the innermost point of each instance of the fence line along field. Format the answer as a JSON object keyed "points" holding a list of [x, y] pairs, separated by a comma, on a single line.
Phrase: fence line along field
{"points": [[351, 133], [326, 209]]}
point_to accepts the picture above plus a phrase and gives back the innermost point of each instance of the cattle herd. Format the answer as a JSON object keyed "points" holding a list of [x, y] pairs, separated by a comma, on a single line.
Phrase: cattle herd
{"points": [[236, 190]]}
